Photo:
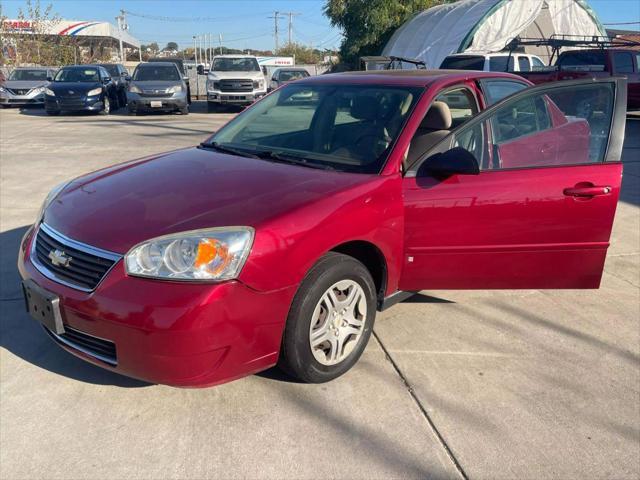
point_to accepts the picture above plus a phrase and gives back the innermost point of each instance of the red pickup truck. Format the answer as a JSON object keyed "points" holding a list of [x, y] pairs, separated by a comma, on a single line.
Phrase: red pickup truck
{"points": [[594, 63], [279, 237]]}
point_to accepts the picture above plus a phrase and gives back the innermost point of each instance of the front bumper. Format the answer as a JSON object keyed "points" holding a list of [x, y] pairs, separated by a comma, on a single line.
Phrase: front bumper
{"points": [[7, 98], [73, 104], [168, 103], [175, 333], [236, 98]]}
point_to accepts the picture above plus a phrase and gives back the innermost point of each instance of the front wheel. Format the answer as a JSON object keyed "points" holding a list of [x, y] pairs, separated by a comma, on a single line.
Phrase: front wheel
{"points": [[330, 321]]}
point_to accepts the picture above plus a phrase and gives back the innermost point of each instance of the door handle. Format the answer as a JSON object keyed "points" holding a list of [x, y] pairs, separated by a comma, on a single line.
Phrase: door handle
{"points": [[590, 191]]}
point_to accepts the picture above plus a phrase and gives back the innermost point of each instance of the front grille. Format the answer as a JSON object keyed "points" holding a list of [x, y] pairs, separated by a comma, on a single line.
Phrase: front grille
{"points": [[71, 103], [236, 85], [153, 94], [19, 91], [86, 267], [99, 348]]}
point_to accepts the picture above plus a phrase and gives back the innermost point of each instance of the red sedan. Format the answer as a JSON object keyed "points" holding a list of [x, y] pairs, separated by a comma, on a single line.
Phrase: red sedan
{"points": [[277, 239]]}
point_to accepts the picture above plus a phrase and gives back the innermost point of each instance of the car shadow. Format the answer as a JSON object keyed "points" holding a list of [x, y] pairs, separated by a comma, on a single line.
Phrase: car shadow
{"points": [[23, 337]]}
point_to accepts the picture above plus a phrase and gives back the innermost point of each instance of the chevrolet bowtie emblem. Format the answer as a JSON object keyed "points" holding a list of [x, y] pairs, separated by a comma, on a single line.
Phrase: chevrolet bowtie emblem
{"points": [[59, 258]]}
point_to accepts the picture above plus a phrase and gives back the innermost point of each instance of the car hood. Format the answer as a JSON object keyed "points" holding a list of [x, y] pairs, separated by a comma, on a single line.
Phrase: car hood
{"points": [[119, 207], [75, 86], [23, 84], [230, 75]]}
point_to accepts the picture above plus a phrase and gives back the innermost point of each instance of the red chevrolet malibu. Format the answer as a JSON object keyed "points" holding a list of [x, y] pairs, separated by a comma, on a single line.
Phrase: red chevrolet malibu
{"points": [[277, 239]]}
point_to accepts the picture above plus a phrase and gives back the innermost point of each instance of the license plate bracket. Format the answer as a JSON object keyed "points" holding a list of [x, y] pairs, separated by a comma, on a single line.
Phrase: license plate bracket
{"points": [[43, 306], [156, 104]]}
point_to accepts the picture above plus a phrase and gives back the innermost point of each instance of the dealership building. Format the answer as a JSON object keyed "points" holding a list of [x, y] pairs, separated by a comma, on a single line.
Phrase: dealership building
{"points": [[89, 36]]}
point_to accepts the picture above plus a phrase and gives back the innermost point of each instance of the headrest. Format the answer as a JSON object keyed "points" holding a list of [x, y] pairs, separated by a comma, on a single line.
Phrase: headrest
{"points": [[438, 117], [364, 107]]}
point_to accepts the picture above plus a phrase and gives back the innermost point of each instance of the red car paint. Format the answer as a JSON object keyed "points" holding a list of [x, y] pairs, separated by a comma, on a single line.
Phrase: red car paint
{"points": [[499, 229]]}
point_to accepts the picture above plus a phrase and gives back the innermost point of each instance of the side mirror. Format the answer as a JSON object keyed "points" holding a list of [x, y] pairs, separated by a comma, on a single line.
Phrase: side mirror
{"points": [[124, 74], [127, 77], [457, 161], [49, 79], [200, 69], [106, 79], [274, 78], [186, 78], [264, 70]]}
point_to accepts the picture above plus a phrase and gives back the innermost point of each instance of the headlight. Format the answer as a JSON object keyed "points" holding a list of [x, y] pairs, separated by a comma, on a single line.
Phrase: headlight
{"points": [[95, 91], [38, 89], [258, 84], [134, 89], [175, 89], [50, 92], [213, 254], [2, 89], [51, 196]]}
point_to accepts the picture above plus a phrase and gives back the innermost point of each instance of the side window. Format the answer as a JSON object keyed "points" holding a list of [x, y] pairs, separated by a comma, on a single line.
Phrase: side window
{"points": [[637, 62], [461, 103], [523, 64], [496, 90], [537, 63], [555, 127], [502, 63], [622, 62]]}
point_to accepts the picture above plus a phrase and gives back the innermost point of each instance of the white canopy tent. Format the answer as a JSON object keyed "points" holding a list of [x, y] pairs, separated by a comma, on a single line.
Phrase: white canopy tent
{"points": [[488, 26]]}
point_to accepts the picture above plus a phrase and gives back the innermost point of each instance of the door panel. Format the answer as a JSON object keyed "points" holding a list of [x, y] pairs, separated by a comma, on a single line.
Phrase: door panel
{"points": [[508, 229], [540, 213]]}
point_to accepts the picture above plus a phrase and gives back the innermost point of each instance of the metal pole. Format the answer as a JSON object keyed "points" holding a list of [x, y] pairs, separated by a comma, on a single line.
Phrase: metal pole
{"points": [[195, 51], [276, 15], [290, 26], [220, 37]]}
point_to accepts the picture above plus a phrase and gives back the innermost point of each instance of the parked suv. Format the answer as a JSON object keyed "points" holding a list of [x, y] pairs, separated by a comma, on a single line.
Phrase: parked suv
{"points": [[25, 86], [234, 80], [157, 86], [119, 74], [279, 237], [284, 75], [179, 63]]}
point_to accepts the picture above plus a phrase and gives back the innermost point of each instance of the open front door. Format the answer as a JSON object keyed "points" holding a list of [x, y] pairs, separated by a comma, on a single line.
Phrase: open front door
{"points": [[539, 213]]}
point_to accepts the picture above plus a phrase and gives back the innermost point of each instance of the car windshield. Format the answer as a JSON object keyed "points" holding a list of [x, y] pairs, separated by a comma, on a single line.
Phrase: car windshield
{"points": [[235, 65], [463, 63], [78, 75], [160, 73], [112, 69], [290, 75], [28, 75], [340, 127]]}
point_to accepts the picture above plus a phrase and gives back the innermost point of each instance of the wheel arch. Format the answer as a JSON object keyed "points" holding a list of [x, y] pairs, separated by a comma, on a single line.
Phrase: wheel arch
{"points": [[372, 258]]}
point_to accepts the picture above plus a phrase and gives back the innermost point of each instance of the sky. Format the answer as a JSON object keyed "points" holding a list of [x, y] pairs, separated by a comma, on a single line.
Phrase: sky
{"points": [[245, 24]]}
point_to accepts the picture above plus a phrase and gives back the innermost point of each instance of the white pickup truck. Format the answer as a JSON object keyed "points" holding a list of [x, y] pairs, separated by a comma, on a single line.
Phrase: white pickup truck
{"points": [[234, 79]]}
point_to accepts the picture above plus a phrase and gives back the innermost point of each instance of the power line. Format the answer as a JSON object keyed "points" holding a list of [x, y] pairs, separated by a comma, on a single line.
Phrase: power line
{"points": [[623, 23], [161, 18]]}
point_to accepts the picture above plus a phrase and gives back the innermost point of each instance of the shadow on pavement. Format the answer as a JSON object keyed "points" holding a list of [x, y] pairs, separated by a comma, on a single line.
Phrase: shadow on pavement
{"points": [[23, 337]]}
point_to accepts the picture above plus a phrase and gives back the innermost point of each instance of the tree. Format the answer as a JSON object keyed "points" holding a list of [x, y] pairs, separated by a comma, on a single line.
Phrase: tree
{"points": [[368, 24], [302, 54], [171, 46]]}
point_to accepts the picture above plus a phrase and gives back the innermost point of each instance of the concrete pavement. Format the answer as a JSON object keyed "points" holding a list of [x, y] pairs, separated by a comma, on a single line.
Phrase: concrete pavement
{"points": [[525, 384]]}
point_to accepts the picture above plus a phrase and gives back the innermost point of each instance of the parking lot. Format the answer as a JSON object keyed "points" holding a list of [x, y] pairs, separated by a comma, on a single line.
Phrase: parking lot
{"points": [[468, 384]]}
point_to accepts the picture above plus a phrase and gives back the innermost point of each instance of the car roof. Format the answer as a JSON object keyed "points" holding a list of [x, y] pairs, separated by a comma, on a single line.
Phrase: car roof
{"points": [[156, 64], [231, 55], [293, 69], [34, 68], [418, 78]]}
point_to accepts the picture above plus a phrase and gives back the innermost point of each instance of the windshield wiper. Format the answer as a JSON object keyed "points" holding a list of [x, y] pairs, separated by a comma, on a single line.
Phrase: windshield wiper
{"points": [[291, 159], [225, 149]]}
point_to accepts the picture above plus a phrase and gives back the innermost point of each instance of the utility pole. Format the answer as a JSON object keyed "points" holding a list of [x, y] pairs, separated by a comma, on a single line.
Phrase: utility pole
{"points": [[291, 15], [195, 50], [220, 38], [122, 25], [276, 33]]}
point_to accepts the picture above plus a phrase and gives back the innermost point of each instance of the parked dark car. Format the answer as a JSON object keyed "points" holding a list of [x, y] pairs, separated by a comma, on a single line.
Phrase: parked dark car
{"points": [[25, 86], [81, 88], [157, 86], [282, 76], [178, 62], [119, 74]]}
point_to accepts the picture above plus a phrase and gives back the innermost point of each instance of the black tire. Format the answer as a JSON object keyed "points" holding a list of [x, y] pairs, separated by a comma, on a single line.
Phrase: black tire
{"points": [[184, 110], [106, 110], [212, 107], [296, 356], [123, 99]]}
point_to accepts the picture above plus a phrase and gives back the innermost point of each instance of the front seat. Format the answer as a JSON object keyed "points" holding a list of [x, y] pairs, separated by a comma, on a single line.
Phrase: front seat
{"points": [[434, 127]]}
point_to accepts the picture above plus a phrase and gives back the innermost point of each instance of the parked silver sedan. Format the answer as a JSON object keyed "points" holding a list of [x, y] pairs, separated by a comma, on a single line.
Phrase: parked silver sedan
{"points": [[157, 86], [25, 86]]}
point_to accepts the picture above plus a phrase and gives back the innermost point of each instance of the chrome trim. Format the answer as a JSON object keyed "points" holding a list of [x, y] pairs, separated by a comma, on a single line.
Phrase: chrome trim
{"points": [[114, 257], [70, 344]]}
